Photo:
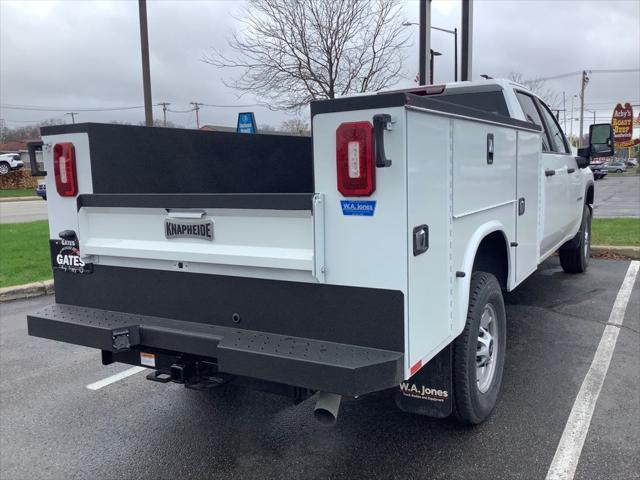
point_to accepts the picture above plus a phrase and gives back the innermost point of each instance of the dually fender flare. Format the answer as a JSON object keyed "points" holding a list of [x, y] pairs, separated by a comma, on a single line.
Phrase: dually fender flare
{"points": [[463, 283]]}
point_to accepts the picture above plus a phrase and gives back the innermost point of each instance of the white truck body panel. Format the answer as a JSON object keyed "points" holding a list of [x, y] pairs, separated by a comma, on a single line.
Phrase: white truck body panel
{"points": [[441, 177]]}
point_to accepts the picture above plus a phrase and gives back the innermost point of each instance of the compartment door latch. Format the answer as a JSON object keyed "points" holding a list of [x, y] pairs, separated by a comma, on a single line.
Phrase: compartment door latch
{"points": [[420, 239]]}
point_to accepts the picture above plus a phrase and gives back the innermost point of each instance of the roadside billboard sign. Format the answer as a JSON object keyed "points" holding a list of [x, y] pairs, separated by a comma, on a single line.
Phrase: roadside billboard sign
{"points": [[622, 123]]}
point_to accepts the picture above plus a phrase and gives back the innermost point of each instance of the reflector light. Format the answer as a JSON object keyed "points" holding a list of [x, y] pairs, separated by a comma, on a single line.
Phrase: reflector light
{"points": [[355, 159], [64, 167]]}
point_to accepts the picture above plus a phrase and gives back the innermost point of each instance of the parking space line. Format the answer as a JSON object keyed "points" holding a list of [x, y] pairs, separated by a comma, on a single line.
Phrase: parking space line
{"points": [[114, 378], [565, 460]]}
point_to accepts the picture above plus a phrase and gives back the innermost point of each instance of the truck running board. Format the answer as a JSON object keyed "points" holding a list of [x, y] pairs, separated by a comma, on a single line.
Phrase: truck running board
{"points": [[332, 367]]}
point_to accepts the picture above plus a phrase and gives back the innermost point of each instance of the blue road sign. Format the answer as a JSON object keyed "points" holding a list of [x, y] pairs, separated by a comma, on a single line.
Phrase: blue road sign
{"points": [[246, 123]]}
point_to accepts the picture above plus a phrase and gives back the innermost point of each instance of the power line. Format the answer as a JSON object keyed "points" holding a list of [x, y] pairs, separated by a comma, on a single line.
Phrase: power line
{"points": [[64, 109], [579, 72], [43, 108], [180, 111]]}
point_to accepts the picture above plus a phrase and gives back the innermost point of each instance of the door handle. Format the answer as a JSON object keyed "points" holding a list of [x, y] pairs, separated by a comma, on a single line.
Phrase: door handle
{"points": [[571, 170], [549, 173], [381, 122]]}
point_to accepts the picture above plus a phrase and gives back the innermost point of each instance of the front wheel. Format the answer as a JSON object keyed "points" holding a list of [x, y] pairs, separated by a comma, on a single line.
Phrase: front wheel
{"points": [[479, 352], [574, 255], [619, 170]]}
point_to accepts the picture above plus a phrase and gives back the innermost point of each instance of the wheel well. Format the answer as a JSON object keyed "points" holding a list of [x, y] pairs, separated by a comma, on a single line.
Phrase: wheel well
{"points": [[491, 257], [589, 200]]}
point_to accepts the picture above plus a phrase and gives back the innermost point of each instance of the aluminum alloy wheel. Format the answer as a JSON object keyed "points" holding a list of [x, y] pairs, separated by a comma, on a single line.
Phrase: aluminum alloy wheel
{"points": [[487, 350], [4, 168]]}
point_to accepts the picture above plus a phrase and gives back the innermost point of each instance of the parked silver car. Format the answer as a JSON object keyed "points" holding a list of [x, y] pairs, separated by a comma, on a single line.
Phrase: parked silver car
{"points": [[616, 167]]}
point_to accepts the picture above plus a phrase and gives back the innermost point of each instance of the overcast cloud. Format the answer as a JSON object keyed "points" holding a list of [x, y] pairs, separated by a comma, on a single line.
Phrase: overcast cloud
{"points": [[82, 54]]}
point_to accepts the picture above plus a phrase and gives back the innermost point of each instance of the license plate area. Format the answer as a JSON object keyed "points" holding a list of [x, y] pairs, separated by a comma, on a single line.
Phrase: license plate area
{"points": [[177, 228]]}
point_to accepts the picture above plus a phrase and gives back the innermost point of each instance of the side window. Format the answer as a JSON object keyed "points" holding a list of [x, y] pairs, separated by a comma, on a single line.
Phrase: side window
{"points": [[558, 140], [532, 115]]}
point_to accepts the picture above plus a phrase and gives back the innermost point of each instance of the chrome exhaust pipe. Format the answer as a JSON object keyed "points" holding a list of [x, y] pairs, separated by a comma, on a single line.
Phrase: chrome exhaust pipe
{"points": [[327, 406]]}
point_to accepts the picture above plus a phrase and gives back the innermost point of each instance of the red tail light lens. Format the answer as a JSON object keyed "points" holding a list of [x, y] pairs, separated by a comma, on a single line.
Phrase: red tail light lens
{"points": [[64, 166], [354, 159]]}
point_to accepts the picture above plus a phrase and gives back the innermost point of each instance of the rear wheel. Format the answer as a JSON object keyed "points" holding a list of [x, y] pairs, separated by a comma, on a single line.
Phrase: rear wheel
{"points": [[479, 352], [4, 168], [619, 170], [574, 255]]}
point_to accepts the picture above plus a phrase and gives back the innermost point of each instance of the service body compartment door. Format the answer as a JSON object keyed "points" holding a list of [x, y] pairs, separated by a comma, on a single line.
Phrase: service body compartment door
{"points": [[429, 157], [528, 209]]}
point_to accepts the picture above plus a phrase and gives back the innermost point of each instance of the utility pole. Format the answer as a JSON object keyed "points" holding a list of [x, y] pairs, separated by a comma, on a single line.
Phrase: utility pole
{"points": [[585, 80], [425, 39], [196, 107], [467, 40], [164, 112], [73, 116], [146, 72]]}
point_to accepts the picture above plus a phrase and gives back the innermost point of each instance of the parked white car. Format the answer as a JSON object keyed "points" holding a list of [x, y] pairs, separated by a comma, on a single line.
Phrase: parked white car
{"points": [[9, 162]]}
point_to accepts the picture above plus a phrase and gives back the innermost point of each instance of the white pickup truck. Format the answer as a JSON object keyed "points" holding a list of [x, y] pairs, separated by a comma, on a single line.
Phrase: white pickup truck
{"points": [[371, 256]]}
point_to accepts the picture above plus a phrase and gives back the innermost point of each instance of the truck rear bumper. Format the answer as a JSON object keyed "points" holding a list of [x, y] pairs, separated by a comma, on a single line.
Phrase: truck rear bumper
{"points": [[319, 365]]}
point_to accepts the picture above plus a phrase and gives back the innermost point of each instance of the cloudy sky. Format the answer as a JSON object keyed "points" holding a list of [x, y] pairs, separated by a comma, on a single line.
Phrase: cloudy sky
{"points": [[73, 55]]}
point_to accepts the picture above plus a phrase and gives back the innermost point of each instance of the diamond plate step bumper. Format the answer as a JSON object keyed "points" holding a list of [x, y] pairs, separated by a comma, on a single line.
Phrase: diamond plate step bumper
{"points": [[332, 367]]}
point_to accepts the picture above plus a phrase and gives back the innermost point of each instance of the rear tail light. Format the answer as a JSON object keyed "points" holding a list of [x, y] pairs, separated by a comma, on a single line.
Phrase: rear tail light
{"points": [[355, 160], [64, 166]]}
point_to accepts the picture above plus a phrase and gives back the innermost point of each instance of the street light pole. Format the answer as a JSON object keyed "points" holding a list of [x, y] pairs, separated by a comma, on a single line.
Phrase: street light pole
{"points": [[146, 72], [454, 32], [455, 54], [467, 40], [432, 54], [425, 39]]}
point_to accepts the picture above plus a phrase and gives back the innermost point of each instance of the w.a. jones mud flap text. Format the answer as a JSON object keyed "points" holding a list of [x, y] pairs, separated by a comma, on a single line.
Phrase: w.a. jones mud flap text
{"points": [[429, 392]]}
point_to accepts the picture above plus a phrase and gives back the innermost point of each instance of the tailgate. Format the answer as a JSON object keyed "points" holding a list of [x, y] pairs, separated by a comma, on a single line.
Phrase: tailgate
{"points": [[201, 231]]}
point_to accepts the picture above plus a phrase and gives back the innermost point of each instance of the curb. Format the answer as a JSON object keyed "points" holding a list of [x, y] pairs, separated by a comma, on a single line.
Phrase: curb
{"points": [[29, 290], [18, 199], [632, 253]]}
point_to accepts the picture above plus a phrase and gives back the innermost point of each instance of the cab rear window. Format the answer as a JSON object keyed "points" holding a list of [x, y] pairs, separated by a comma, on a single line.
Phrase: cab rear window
{"points": [[492, 102]]}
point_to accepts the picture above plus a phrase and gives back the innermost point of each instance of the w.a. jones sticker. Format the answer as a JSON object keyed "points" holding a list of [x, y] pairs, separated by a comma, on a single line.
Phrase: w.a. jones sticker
{"points": [[364, 208]]}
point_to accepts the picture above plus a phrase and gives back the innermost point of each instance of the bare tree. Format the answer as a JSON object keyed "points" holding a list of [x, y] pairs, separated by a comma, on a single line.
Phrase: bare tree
{"points": [[290, 52], [295, 126], [539, 87]]}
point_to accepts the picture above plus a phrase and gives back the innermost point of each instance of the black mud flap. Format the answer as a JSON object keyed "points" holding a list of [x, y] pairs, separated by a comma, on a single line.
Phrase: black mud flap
{"points": [[429, 392]]}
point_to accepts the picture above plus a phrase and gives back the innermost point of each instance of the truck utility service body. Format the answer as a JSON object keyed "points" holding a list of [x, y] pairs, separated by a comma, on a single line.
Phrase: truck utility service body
{"points": [[340, 264]]}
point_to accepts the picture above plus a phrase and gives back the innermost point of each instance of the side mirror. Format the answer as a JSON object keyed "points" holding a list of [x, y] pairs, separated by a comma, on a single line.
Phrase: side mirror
{"points": [[583, 159], [601, 140]]}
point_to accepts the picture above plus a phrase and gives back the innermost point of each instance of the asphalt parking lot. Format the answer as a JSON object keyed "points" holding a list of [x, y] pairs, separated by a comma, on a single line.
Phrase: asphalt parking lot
{"points": [[52, 426], [617, 196]]}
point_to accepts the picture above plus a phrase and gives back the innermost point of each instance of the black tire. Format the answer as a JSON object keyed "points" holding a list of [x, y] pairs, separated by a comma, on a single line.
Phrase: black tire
{"points": [[4, 168], [471, 405], [574, 255], [619, 170]]}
